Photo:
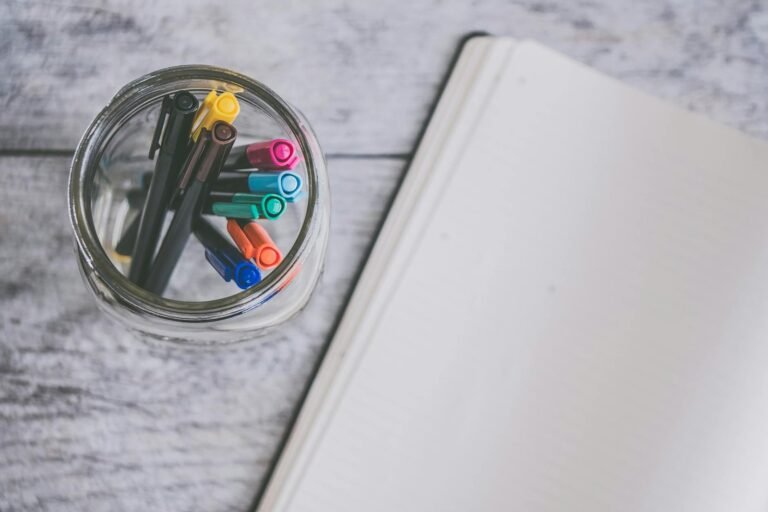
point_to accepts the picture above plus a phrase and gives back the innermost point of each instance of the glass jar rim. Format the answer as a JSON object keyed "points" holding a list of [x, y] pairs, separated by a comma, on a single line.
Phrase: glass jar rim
{"points": [[90, 251]]}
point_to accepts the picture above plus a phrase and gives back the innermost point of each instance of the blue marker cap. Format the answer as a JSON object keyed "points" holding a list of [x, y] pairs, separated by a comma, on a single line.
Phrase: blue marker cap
{"points": [[287, 184], [231, 265]]}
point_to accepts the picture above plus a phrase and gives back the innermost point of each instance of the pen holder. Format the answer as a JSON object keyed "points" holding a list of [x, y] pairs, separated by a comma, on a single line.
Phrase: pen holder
{"points": [[111, 164]]}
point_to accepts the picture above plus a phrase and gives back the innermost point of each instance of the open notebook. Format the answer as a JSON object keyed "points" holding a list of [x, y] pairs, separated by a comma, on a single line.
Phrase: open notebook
{"points": [[566, 310]]}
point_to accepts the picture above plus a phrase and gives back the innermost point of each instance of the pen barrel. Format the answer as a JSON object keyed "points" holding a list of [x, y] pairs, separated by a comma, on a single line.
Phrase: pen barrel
{"points": [[231, 181], [175, 240], [170, 159], [151, 219], [208, 235], [237, 159], [127, 241]]}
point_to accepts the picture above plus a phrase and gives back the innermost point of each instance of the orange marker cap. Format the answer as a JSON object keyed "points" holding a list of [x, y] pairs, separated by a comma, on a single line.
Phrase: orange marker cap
{"points": [[241, 239], [267, 254]]}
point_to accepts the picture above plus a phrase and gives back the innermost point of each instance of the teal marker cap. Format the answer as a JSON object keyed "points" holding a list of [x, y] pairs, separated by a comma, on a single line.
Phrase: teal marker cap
{"points": [[271, 206], [235, 210], [286, 184], [246, 198]]}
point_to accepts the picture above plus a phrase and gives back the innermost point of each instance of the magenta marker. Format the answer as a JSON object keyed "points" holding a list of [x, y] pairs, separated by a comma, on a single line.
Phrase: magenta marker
{"points": [[271, 155]]}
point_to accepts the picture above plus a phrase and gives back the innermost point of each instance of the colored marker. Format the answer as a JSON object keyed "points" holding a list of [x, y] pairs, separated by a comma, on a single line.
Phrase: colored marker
{"points": [[254, 241], [286, 184], [269, 206], [223, 257], [224, 107], [241, 240], [271, 155], [237, 211], [200, 170], [173, 127]]}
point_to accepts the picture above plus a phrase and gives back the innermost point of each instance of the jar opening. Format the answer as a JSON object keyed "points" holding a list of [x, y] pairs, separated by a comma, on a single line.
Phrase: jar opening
{"points": [[135, 101]]}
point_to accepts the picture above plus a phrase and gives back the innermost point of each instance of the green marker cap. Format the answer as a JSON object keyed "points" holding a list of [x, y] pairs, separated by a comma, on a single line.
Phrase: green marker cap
{"points": [[235, 210], [272, 206], [243, 197]]}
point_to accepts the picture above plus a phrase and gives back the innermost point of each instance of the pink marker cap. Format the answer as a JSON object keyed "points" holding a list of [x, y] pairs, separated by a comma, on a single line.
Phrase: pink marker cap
{"points": [[272, 155]]}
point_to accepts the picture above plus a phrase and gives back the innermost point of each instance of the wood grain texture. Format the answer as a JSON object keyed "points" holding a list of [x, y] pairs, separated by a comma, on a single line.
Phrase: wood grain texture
{"points": [[92, 418], [364, 73]]}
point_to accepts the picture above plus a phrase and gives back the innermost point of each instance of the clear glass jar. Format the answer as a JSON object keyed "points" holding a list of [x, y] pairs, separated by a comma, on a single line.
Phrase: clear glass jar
{"points": [[108, 168]]}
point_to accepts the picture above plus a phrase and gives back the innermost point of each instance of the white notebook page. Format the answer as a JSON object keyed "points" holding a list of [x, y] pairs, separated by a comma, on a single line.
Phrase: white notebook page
{"points": [[581, 324]]}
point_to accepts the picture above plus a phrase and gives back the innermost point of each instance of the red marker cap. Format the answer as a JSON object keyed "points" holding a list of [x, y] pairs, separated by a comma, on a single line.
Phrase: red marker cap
{"points": [[272, 155]]}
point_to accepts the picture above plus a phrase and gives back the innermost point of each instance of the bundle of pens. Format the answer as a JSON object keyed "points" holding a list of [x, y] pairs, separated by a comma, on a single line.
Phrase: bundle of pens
{"points": [[199, 173]]}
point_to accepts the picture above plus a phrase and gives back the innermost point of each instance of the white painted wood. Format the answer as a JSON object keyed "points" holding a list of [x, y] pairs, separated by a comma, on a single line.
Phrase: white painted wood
{"points": [[364, 73], [92, 418]]}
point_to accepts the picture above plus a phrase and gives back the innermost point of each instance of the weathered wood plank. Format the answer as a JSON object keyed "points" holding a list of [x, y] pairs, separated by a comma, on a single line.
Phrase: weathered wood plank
{"points": [[364, 72], [92, 418]]}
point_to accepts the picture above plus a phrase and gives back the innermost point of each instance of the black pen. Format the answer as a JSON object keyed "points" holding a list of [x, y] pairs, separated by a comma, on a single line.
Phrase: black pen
{"points": [[127, 241], [136, 198], [175, 125], [232, 181], [201, 168]]}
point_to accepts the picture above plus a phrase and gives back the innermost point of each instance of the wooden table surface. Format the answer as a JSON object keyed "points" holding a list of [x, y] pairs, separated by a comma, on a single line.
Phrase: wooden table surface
{"points": [[92, 418]]}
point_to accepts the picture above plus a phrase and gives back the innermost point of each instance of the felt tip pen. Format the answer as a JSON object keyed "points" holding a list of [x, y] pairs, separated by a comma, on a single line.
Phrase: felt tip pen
{"points": [[226, 259], [269, 206], [271, 155], [254, 242], [286, 184], [200, 169], [237, 211], [215, 107], [171, 137]]}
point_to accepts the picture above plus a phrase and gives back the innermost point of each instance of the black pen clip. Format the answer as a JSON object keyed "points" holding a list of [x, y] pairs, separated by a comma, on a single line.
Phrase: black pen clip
{"points": [[165, 110]]}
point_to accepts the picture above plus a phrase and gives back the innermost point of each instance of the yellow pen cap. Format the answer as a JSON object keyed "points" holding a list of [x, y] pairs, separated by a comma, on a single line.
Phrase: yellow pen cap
{"points": [[215, 107]]}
